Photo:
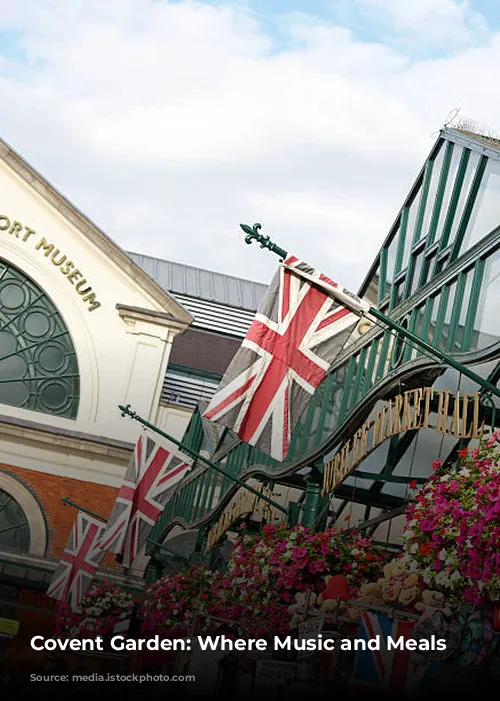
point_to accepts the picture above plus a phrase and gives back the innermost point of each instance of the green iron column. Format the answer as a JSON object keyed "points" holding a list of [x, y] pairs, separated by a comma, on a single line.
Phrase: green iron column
{"points": [[293, 513], [153, 571], [312, 501], [198, 555]]}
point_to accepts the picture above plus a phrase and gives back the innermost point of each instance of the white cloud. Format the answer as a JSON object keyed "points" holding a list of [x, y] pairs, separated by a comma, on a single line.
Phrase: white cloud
{"points": [[447, 21], [169, 123]]}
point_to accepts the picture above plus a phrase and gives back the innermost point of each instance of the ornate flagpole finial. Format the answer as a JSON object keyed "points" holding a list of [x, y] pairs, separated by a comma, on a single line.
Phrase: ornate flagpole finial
{"points": [[252, 233], [126, 411]]}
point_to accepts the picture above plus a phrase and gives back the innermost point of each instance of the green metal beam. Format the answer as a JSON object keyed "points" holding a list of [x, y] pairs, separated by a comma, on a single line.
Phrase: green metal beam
{"points": [[386, 516], [387, 476], [365, 496], [177, 556]]}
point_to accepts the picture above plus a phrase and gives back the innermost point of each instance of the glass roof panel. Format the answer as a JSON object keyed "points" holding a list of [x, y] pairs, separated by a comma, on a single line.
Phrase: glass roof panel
{"points": [[486, 213]]}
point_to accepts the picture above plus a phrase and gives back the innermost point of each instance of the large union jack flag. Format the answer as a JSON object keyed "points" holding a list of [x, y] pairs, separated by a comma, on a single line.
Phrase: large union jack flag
{"points": [[388, 669], [299, 330], [148, 484], [79, 562]]}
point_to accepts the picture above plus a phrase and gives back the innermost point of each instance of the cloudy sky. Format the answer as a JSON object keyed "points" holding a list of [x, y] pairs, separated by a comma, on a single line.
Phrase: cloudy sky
{"points": [[168, 122]]}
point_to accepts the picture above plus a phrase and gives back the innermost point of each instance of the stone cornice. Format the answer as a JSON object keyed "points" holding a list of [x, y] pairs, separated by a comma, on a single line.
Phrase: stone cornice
{"points": [[64, 438]]}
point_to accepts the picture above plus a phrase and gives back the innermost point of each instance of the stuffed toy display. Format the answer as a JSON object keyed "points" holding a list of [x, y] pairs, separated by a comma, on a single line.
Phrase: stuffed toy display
{"points": [[399, 587], [303, 608], [431, 601]]}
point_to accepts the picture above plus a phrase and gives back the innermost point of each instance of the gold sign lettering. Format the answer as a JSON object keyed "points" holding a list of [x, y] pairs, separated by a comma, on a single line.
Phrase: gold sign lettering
{"points": [[244, 503], [407, 412], [55, 256]]}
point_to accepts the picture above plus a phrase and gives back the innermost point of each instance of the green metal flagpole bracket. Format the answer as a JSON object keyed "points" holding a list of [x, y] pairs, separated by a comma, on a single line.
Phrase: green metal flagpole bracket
{"points": [[67, 502], [252, 233], [126, 411]]}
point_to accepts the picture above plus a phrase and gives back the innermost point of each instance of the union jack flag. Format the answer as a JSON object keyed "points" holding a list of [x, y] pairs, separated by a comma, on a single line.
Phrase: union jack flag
{"points": [[388, 669], [79, 562], [298, 332], [148, 484]]}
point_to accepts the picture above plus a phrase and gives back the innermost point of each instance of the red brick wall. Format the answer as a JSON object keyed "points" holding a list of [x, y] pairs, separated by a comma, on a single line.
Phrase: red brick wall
{"points": [[50, 489]]}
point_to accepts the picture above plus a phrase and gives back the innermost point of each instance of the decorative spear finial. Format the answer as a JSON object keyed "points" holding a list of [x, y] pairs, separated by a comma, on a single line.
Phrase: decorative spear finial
{"points": [[126, 411], [252, 233]]}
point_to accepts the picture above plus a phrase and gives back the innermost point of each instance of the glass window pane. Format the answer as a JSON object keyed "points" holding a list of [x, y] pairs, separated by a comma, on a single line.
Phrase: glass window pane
{"points": [[419, 259], [391, 262], [399, 292], [412, 215], [429, 264], [412, 211], [466, 298], [434, 303], [486, 325], [464, 307], [464, 192], [372, 291], [14, 527], [431, 194], [441, 264], [38, 364], [450, 182], [419, 320], [445, 330], [486, 213]]}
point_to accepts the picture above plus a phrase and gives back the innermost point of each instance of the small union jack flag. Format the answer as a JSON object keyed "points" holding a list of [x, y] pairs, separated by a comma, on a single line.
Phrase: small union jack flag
{"points": [[148, 484], [79, 562], [388, 669], [298, 332]]}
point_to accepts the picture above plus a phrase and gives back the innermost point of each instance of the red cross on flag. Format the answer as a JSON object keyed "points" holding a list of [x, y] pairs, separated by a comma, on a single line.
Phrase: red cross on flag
{"points": [[299, 330], [148, 484], [79, 562]]}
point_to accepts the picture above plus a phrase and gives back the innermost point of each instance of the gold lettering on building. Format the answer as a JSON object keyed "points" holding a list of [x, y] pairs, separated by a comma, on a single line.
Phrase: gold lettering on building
{"points": [[243, 503], [407, 412]]}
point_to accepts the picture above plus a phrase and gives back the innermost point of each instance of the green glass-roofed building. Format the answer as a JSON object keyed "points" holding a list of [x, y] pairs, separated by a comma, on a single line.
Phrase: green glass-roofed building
{"points": [[438, 275]]}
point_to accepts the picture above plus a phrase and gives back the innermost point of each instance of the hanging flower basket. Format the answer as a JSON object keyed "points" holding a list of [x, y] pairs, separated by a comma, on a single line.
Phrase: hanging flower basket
{"points": [[266, 571], [452, 536], [100, 610], [176, 603]]}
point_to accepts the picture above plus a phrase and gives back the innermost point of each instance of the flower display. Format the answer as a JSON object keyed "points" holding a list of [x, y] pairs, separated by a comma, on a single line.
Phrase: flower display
{"points": [[177, 602], [452, 536], [100, 610], [264, 573]]}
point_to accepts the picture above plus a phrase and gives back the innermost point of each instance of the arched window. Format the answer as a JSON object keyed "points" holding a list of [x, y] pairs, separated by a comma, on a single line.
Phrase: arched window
{"points": [[38, 363], [14, 526]]}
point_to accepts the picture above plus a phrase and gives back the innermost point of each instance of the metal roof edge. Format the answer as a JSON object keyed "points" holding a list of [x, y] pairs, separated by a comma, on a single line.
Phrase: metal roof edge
{"points": [[364, 285]]}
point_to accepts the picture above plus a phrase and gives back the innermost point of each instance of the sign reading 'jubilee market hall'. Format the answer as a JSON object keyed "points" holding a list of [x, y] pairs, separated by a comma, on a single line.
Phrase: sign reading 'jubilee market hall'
{"points": [[406, 412]]}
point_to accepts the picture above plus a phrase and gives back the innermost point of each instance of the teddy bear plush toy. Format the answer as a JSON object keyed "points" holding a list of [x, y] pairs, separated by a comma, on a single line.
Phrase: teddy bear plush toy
{"points": [[302, 608], [399, 588], [431, 601], [369, 594]]}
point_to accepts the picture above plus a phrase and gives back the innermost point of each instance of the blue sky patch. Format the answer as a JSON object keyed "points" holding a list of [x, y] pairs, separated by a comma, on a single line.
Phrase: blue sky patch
{"points": [[10, 44]]}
